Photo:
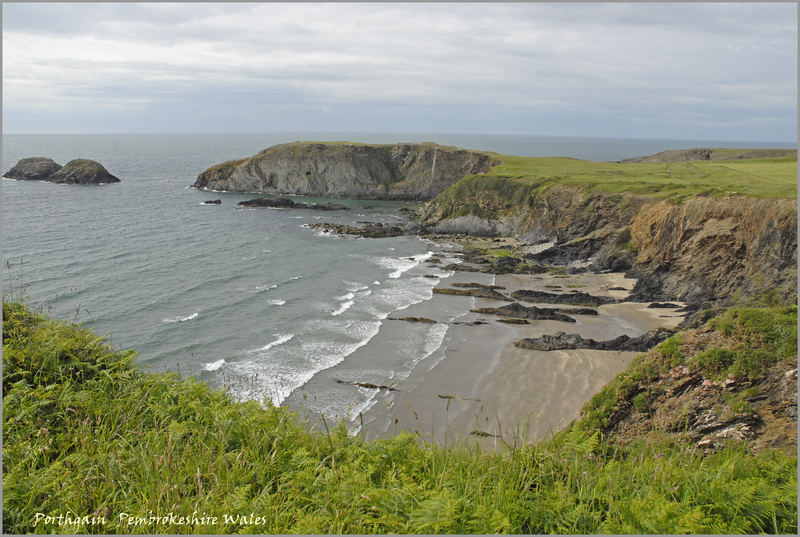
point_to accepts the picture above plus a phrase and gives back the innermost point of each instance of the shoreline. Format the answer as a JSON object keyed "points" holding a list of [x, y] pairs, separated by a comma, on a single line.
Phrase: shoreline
{"points": [[479, 387]]}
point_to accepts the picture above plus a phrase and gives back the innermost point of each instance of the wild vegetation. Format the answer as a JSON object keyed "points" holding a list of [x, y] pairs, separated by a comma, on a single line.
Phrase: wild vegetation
{"points": [[87, 434]]}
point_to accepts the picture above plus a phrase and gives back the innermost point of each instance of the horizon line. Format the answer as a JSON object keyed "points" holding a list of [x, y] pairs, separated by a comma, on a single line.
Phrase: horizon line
{"points": [[328, 132]]}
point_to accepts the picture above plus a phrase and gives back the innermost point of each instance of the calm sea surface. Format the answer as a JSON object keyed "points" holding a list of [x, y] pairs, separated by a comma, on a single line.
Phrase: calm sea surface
{"points": [[249, 298]]}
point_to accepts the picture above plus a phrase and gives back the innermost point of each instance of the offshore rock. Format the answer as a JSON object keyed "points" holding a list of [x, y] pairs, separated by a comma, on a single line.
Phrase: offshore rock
{"points": [[33, 169], [348, 170], [82, 171], [286, 203]]}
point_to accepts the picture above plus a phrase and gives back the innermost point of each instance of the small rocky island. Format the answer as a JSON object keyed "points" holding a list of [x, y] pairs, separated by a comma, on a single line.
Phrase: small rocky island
{"points": [[79, 171]]}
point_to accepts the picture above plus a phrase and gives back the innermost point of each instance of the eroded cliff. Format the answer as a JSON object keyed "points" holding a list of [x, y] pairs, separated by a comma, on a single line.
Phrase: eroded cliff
{"points": [[346, 170], [705, 250]]}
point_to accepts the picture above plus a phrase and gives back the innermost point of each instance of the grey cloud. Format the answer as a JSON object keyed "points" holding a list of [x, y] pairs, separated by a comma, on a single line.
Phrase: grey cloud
{"points": [[540, 65]]}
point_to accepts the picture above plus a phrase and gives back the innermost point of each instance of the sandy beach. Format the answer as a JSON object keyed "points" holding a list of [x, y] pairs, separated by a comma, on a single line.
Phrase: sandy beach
{"points": [[483, 388]]}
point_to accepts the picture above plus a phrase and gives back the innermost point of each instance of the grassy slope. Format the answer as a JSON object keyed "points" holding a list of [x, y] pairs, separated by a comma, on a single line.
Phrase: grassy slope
{"points": [[86, 433]]}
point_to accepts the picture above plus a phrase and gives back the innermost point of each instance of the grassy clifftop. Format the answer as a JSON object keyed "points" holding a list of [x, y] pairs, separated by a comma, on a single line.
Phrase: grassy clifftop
{"points": [[86, 434], [760, 178]]}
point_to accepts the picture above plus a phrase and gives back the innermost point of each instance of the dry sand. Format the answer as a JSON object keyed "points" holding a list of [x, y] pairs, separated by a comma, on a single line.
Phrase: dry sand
{"points": [[485, 384]]}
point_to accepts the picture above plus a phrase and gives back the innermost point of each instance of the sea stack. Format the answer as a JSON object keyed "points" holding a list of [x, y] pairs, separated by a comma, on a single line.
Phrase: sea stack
{"points": [[79, 171]]}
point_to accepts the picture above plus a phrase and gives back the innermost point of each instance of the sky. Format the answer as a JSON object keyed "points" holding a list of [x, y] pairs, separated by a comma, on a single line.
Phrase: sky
{"points": [[716, 71]]}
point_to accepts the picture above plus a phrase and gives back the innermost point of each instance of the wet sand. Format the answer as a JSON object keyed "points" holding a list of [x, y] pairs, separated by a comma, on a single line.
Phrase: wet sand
{"points": [[483, 384]]}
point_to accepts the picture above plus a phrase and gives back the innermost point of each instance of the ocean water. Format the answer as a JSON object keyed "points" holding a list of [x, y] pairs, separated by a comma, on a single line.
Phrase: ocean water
{"points": [[249, 299]]}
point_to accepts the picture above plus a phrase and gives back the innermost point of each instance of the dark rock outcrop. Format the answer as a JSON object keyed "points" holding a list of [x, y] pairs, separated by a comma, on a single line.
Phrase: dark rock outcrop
{"points": [[286, 203], [413, 319], [348, 170], [79, 171], [575, 298], [212, 202], [369, 385], [82, 171], [519, 311], [481, 292], [562, 340], [371, 231], [33, 169]]}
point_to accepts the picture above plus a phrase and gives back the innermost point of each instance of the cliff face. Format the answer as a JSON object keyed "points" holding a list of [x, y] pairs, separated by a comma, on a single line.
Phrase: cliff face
{"points": [[705, 251], [398, 171], [719, 247]]}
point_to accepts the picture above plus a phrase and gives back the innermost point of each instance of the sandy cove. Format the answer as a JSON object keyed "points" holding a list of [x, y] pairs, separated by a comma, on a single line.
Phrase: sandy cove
{"points": [[486, 388]]}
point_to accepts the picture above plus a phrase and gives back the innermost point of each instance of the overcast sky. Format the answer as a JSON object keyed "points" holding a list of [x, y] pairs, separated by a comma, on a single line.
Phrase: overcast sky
{"points": [[721, 71]]}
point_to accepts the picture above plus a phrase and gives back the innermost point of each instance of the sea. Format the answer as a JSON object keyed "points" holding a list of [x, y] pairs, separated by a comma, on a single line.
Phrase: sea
{"points": [[250, 300]]}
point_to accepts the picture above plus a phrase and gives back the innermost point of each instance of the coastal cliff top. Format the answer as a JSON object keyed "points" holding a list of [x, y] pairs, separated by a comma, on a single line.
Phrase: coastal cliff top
{"points": [[756, 176]]}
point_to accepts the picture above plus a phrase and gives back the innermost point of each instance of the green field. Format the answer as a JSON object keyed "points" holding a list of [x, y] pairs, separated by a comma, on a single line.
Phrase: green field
{"points": [[760, 178]]}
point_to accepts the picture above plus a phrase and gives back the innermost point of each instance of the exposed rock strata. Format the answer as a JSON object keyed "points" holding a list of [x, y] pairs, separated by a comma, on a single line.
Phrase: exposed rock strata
{"points": [[710, 249], [398, 171], [704, 251]]}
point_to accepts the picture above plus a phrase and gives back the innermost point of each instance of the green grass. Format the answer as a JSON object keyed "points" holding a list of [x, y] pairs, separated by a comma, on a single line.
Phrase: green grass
{"points": [[86, 433], [760, 178]]}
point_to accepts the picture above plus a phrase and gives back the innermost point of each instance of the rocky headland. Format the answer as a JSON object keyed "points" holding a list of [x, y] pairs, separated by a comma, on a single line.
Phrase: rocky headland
{"points": [[348, 170], [706, 153], [78, 171]]}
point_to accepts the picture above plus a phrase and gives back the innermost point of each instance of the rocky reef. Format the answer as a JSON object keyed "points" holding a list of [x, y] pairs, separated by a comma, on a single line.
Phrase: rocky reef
{"points": [[286, 203], [78, 171], [575, 298], [348, 170], [562, 340], [370, 230]]}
